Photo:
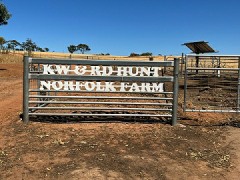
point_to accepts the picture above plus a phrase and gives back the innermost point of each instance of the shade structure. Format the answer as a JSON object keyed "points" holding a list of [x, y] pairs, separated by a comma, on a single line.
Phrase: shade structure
{"points": [[200, 47]]}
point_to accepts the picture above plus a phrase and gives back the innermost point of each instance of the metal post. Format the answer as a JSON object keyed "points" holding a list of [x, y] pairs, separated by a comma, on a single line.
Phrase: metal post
{"points": [[25, 89], [197, 63], [238, 95], [219, 66], [175, 91], [185, 84], [164, 69], [38, 85], [182, 64]]}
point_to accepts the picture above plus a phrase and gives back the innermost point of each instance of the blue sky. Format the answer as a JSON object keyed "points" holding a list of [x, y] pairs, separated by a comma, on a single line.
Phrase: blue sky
{"points": [[120, 27]]}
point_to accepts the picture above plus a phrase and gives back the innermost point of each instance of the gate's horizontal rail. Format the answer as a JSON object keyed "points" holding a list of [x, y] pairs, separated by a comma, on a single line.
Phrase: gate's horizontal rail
{"points": [[98, 108], [214, 111], [69, 91], [102, 62], [115, 103], [101, 78], [223, 69], [86, 114], [215, 55], [101, 97]]}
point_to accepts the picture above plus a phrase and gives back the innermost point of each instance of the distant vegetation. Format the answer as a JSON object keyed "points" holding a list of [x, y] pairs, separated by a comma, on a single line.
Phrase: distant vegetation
{"points": [[13, 45], [102, 54], [80, 47], [143, 54]]}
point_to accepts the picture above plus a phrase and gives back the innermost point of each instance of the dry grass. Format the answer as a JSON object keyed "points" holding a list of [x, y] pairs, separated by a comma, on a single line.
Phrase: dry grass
{"points": [[225, 62], [17, 57], [92, 56], [11, 58]]}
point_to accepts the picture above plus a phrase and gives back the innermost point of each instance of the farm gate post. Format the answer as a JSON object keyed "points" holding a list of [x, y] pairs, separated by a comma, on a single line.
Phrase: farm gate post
{"points": [[25, 89], [175, 91], [238, 96]]}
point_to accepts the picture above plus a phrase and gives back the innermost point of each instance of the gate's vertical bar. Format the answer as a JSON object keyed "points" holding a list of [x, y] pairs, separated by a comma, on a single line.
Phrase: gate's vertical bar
{"points": [[164, 69], [185, 84], [38, 85], [238, 96], [182, 64], [25, 89], [175, 91]]}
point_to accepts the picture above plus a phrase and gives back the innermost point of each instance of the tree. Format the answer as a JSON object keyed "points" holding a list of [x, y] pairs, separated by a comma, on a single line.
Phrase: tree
{"points": [[72, 48], [12, 44], [29, 46], [2, 42], [146, 54], [39, 49], [83, 48], [4, 14], [134, 55], [46, 49]]}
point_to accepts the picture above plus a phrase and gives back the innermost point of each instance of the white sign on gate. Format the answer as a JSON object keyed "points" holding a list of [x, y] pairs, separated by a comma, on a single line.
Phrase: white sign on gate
{"points": [[102, 86]]}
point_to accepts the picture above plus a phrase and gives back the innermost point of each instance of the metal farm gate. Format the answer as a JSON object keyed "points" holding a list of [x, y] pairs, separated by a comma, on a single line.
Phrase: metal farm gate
{"points": [[99, 88], [212, 84]]}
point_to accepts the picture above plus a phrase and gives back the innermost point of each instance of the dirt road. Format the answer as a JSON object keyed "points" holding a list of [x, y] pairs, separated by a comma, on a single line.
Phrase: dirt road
{"points": [[40, 150]]}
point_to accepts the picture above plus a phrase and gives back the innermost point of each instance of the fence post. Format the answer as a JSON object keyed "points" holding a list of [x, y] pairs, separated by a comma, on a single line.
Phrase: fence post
{"points": [[164, 69], [182, 63], [185, 84], [25, 89], [238, 95], [175, 91]]}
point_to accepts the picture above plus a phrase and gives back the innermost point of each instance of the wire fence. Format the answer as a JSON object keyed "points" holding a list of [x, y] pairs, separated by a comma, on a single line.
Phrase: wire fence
{"points": [[213, 84]]}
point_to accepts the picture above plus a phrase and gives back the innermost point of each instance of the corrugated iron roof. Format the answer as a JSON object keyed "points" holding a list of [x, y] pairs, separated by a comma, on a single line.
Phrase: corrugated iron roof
{"points": [[199, 47]]}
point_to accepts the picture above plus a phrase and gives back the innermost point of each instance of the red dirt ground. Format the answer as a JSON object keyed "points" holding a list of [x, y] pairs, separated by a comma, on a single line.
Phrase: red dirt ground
{"points": [[202, 147]]}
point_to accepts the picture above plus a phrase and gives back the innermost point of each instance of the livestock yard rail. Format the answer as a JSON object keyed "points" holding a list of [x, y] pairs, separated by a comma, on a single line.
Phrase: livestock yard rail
{"points": [[212, 84], [99, 88]]}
